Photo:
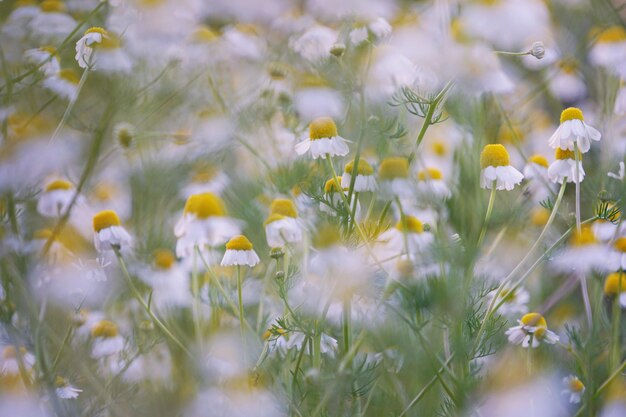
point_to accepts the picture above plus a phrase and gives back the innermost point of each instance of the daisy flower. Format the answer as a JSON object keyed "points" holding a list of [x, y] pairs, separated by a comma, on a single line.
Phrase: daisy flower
{"points": [[52, 23], [106, 339], [110, 56], [574, 388], [109, 232], [46, 58], [393, 174], [203, 224], [564, 167], [323, 140], [615, 286], [281, 226], [514, 300], [617, 256], [10, 360], [573, 130], [407, 235], [168, 279], [536, 166], [55, 198], [239, 252], [333, 199], [495, 168], [431, 183], [66, 390], [532, 327], [610, 50], [364, 181], [64, 84]]}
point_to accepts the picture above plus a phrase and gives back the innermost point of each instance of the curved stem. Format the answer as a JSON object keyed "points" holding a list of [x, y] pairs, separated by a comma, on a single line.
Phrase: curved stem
{"points": [[483, 231], [241, 314], [577, 181]]}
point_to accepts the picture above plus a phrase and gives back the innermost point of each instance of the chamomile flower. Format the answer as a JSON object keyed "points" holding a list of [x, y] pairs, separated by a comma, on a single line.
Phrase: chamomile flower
{"points": [[573, 130], [334, 201], [64, 84], [583, 254], [314, 44], [66, 390], [46, 58], [567, 83], [323, 140], [617, 256], [204, 224], [431, 183], [110, 57], [564, 167], [106, 339], [55, 198], [615, 286], [109, 233], [408, 236], [365, 179], [168, 279], [52, 23], [282, 226], [13, 357], [240, 252], [514, 300], [610, 50], [574, 388], [496, 169], [532, 327], [393, 175], [536, 169]]}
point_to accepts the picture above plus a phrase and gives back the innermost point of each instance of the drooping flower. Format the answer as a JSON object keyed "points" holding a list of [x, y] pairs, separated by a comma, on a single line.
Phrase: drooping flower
{"points": [[394, 180], [573, 130], [431, 183], [65, 389], [109, 233], [574, 388], [496, 169], [564, 167], [55, 198], [106, 339], [282, 226], [365, 179], [532, 327], [240, 252], [323, 140]]}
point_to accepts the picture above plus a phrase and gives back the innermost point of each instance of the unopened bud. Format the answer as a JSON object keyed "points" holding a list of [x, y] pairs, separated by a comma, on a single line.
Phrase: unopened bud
{"points": [[538, 50], [337, 49]]}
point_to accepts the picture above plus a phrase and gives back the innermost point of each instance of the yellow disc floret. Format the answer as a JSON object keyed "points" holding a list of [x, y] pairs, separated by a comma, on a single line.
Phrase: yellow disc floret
{"points": [[364, 168], [615, 283], [410, 224], [164, 258], [576, 385], [535, 320], [326, 236], [96, 29], [239, 242], [58, 185], [571, 113], [104, 219], [52, 6], [539, 216], [430, 174], [274, 217], [394, 167], [620, 244], [322, 127], [584, 237], [566, 154], [539, 160], [69, 75], [204, 34], [105, 329], [284, 207], [494, 155], [439, 147], [10, 352], [612, 35], [204, 205], [331, 185]]}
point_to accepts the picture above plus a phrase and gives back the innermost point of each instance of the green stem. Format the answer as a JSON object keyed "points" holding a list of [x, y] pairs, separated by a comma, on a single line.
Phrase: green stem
{"points": [[615, 330], [145, 306], [241, 314], [195, 288], [577, 181], [70, 106], [347, 313], [492, 199]]}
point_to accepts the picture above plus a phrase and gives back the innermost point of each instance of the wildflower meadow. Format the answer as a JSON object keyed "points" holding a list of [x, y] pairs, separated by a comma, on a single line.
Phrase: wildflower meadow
{"points": [[312, 208]]}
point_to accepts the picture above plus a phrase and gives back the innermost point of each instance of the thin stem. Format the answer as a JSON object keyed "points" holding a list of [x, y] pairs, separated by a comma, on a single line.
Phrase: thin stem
{"points": [[70, 106], [586, 301], [195, 288], [577, 181], [492, 199], [347, 313], [241, 315], [145, 306], [615, 330]]}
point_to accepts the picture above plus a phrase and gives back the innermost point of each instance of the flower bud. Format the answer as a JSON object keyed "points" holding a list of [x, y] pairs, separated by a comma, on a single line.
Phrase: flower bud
{"points": [[538, 50]]}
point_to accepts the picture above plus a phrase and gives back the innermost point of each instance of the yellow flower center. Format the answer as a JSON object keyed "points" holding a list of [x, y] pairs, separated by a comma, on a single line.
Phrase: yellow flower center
{"points": [[613, 34], [539, 160], [104, 192], [24, 3], [331, 185], [535, 320], [51, 6], [164, 258], [567, 154], [204, 34], [61, 382], [494, 155], [42, 234], [575, 385], [105, 329], [49, 49], [273, 218], [326, 236], [430, 174], [614, 284], [69, 75], [394, 167], [584, 237], [10, 352], [239, 242], [571, 113], [439, 147], [284, 207], [620, 244], [508, 135], [58, 185], [109, 41], [364, 168], [104, 219], [96, 29], [411, 225], [323, 127], [204, 205], [539, 216]]}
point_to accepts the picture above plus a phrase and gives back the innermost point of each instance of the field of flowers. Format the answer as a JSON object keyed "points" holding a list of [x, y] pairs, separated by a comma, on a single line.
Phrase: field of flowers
{"points": [[312, 208]]}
